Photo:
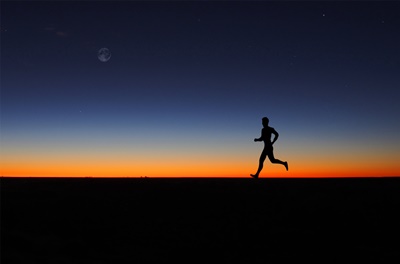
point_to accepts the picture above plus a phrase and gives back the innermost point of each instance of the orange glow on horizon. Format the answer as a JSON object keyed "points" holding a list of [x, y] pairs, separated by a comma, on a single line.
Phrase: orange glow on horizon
{"points": [[195, 164], [188, 170]]}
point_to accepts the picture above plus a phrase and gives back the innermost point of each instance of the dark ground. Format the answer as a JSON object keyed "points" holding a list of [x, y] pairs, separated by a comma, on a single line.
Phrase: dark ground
{"points": [[200, 220]]}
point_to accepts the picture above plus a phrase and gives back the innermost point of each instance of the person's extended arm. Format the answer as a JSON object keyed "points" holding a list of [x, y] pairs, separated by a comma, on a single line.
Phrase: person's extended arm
{"points": [[276, 135], [260, 138]]}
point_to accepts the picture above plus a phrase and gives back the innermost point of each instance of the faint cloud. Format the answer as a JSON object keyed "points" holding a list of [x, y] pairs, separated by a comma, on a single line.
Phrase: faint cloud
{"points": [[62, 34], [3, 29], [49, 28], [56, 31]]}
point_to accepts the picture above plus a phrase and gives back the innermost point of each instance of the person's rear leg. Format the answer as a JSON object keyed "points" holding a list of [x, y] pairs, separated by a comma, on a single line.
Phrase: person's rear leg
{"points": [[277, 161]]}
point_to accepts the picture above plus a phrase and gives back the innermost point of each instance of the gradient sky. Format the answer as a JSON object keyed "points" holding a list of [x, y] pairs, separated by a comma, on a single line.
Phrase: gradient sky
{"points": [[188, 83]]}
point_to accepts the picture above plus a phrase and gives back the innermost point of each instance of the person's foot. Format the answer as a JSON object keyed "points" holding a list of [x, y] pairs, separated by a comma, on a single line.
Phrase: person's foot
{"points": [[255, 176], [286, 165]]}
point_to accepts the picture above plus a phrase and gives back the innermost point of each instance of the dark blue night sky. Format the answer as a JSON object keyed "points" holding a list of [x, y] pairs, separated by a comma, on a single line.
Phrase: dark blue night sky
{"points": [[187, 84]]}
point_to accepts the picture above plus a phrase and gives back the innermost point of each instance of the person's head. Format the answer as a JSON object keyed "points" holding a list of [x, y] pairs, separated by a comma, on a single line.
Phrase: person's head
{"points": [[265, 121]]}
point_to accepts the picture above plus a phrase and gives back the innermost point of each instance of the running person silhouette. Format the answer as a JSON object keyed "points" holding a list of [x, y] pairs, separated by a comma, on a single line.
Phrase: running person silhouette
{"points": [[268, 150]]}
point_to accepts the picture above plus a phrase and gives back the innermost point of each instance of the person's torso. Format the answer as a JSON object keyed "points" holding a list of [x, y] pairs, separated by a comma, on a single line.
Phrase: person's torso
{"points": [[266, 134]]}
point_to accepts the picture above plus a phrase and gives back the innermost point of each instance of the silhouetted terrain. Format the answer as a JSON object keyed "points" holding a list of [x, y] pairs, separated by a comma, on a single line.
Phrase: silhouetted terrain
{"points": [[200, 220]]}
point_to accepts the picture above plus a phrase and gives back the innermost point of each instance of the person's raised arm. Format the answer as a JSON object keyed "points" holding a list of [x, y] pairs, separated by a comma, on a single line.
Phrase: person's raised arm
{"points": [[276, 135]]}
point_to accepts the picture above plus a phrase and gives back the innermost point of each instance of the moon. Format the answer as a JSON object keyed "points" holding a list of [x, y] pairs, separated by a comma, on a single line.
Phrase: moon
{"points": [[104, 54]]}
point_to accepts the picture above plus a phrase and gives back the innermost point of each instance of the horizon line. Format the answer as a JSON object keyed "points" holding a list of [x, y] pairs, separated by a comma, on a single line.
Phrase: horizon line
{"points": [[194, 177]]}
